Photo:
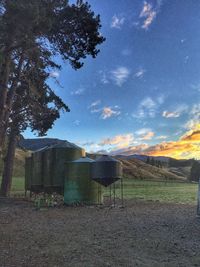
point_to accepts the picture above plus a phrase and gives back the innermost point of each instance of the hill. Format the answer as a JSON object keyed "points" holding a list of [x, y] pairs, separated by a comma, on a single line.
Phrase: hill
{"points": [[137, 169], [20, 156], [134, 166]]}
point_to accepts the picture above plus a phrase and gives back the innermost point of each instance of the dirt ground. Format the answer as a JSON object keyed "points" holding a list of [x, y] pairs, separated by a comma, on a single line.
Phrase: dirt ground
{"points": [[141, 234]]}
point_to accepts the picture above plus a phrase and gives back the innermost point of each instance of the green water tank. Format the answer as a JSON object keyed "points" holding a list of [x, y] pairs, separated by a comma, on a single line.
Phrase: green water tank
{"points": [[37, 172], [54, 165], [28, 173], [79, 187]]}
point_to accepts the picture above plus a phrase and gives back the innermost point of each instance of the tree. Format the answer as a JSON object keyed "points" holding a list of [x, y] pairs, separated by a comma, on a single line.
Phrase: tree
{"points": [[30, 109], [32, 34], [46, 27]]}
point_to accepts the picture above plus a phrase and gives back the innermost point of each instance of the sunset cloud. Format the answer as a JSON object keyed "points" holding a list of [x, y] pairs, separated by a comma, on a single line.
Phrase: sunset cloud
{"points": [[148, 14], [109, 112], [119, 141], [188, 146], [145, 134]]}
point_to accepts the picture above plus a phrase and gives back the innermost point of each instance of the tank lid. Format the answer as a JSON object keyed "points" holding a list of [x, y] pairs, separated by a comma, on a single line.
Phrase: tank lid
{"points": [[65, 144], [106, 158], [83, 159]]}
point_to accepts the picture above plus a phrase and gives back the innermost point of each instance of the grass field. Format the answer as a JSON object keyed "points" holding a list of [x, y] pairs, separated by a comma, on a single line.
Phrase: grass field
{"points": [[176, 192]]}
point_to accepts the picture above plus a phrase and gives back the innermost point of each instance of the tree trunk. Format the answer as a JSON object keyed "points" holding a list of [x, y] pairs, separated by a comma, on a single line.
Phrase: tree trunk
{"points": [[6, 104], [8, 165], [3, 98]]}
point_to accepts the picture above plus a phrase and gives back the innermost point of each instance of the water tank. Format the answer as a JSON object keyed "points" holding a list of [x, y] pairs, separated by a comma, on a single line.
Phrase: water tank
{"points": [[55, 159], [28, 173], [37, 172], [106, 170], [79, 187]]}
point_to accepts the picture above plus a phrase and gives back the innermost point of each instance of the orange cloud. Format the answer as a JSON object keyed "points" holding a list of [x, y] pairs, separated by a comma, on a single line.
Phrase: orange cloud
{"points": [[120, 141], [188, 146]]}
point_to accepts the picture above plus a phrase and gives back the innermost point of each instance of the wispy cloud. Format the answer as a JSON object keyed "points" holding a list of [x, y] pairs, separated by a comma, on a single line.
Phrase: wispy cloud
{"points": [[79, 91], [54, 74], [162, 137], [194, 120], [118, 141], [94, 104], [170, 114], [117, 22], [120, 75], [145, 134], [76, 122], [148, 107], [104, 77], [149, 13], [126, 52], [140, 73], [108, 112], [176, 113]]}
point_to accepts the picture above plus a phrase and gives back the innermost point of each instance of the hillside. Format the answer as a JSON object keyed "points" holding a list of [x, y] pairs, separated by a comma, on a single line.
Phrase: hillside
{"points": [[134, 166], [19, 162], [137, 169]]}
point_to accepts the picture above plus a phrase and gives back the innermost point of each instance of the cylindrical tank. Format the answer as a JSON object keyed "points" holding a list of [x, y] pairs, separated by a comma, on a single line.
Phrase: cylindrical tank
{"points": [[37, 172], [55, 159], [106, 170], [28, 173], [79, 187]]}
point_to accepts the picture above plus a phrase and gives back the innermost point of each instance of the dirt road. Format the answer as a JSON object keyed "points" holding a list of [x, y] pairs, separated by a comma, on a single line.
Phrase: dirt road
{"points": [[141, 234]]}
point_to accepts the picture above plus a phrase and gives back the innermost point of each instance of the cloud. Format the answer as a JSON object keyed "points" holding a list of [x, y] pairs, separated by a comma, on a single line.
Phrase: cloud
{"points": [[140, 73], [148, 107], [126, 52], [54, 74], [145, 134], [161, 137], [196, 87], [148, 14], [168, 114], [104, 77], [109, 112], [79, 91], [94, 104], [187, 146], [76, 122], [194, 121], [180, 109], [117, 22], [119, 141], [120, 75], [138, 149]]}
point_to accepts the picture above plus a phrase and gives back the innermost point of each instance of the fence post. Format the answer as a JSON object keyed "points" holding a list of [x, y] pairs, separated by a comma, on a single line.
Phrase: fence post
{"points": [[198, 200]]}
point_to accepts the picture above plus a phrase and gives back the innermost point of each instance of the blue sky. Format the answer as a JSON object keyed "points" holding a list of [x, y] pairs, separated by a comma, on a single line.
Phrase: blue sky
{"points": [[143, 89]]}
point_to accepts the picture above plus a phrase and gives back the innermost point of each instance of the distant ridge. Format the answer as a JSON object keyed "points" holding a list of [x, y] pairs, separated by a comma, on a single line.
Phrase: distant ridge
{"points": [[144, 157], [38, 143]]}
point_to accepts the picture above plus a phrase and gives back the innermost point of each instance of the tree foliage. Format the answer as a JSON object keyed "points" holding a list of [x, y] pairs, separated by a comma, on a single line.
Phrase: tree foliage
{"points": [[32, 35]]}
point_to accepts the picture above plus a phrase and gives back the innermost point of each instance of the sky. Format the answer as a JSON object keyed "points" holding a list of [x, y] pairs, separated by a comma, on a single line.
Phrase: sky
{"points": [[141, 95]]}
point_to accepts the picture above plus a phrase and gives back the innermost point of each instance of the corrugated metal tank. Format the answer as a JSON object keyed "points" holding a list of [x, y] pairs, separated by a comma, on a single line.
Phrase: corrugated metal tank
{"points": [[55, 159], [28, 173], [106, 170], [37, 172], [79, 187]]}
